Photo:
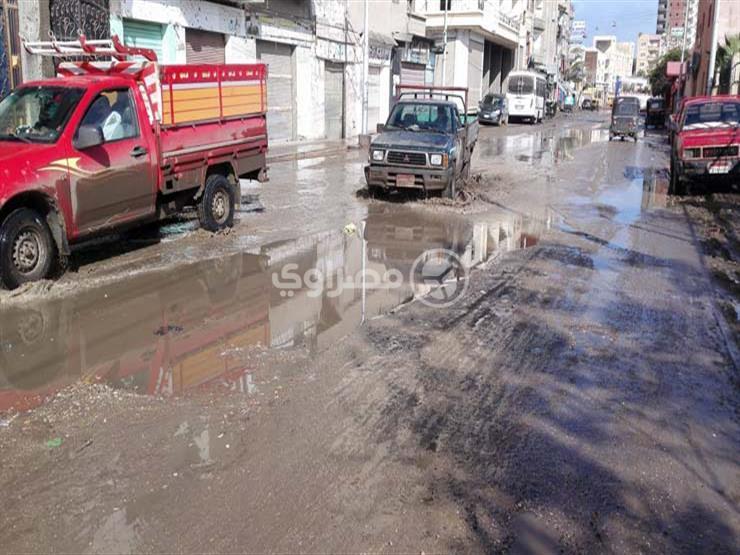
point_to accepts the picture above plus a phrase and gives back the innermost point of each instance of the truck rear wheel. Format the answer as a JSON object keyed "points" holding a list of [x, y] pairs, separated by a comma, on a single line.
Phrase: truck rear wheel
{"points": [[216, 206], [27, 249]]}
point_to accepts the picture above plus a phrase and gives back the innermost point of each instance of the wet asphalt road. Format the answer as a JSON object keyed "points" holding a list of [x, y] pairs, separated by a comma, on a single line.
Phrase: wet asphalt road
{"points": [[579, 397]]}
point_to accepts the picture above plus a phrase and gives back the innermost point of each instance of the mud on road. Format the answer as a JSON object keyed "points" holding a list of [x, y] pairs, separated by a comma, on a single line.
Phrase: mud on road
{"points": [[579, 397]]}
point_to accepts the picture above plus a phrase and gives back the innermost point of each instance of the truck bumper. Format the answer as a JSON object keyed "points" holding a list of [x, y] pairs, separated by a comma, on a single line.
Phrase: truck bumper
{"points": [[424, 178], [719, 170]]}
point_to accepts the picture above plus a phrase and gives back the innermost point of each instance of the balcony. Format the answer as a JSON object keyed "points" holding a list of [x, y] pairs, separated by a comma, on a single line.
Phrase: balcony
{"points": [[417, 25], [538, 24], [480, 16]]}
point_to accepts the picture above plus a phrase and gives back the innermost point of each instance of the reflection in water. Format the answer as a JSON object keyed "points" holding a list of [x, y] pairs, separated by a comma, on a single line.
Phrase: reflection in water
{"points": [[167, 333], [540, 146]]}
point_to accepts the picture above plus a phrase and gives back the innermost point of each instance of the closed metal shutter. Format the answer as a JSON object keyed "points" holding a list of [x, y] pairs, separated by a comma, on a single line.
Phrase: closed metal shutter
{"points": [[373, 98], [204, 47], [280, 98], [333, 100], [412, 74], [143, 34], [475, 72]]}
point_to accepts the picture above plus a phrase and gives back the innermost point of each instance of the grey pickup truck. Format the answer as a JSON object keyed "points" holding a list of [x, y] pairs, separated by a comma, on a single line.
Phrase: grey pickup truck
{"points": [[426, 144]]}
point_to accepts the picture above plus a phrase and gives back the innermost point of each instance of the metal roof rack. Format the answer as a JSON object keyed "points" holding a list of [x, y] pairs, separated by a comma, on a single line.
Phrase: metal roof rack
{"points": [[83, 48], [431, 92]]}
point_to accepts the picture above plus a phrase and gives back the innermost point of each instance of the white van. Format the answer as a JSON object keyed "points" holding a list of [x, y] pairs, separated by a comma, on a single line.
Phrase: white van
{"points": [[526, 94]]}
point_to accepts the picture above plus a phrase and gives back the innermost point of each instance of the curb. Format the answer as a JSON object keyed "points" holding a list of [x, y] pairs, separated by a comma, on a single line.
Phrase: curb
{"points": [[318, 153]]}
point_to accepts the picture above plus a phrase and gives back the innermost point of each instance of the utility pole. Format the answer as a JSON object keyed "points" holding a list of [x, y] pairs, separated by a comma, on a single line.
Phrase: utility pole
{"points": [[365, 70], [683, 48], [444, 46], [713, 52]]}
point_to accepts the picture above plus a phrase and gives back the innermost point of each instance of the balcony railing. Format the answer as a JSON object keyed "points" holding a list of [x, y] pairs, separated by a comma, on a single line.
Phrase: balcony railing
{"points": [[456, 6]]}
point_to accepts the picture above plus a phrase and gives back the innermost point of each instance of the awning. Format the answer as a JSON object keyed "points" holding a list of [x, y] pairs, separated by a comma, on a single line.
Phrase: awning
{"points": [[400, 36], [381, 39]]}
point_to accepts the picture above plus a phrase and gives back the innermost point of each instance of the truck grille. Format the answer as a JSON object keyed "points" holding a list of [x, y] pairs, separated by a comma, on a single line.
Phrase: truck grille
{"points": [[407, 158], [717, 151]]}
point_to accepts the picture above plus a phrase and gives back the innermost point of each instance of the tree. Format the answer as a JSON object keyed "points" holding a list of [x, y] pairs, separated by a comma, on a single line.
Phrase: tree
{"points": [[658, 81], [726, 53], [576, 72]]}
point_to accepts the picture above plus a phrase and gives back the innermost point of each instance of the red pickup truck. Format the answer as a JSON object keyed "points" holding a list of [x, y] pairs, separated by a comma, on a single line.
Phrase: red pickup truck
{"points": [[705, 142], [114, 144]]}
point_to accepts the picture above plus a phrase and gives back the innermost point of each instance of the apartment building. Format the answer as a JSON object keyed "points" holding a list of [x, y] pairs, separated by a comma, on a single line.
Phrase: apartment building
{"points": [[649, 50]]}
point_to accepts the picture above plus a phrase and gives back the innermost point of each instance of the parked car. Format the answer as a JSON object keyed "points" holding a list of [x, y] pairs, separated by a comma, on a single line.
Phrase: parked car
{"points": [[494, 109], [705, 145], [625, 117], [426, 144], [95, 150], [655, 113]]}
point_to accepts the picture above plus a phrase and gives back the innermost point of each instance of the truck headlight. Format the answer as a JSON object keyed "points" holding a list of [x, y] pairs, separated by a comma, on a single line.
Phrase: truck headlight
{"points": [[438, 159], [378, 155], [692, 153]]}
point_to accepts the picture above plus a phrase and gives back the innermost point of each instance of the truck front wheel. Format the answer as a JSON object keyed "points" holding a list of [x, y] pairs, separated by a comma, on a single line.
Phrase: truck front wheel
{"points": [[450, 191], [27, 249], [677, 184], [216, 205]]}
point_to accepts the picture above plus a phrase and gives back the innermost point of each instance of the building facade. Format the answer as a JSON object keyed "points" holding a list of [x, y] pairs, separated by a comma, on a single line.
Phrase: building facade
{"points": [[673, 16], [614, 61], [400, 52], [314, 48], [649, 51], [482, 41], [578, 31], [702, 79]]}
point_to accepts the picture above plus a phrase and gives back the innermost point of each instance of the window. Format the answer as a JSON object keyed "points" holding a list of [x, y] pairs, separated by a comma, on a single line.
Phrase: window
{"points": [[37, 114], [521, 84], [445, 5], [113, 112], [712, 114]]}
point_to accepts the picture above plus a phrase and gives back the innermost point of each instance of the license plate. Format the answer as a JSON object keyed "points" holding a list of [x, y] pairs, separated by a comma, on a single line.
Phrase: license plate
{"points": [[719, 168], [405, 180], [520, 107]]}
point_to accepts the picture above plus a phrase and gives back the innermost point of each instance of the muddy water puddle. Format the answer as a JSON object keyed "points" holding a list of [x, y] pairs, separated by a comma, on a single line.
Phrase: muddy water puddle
{"points": [[542, 146], [208, 324]]}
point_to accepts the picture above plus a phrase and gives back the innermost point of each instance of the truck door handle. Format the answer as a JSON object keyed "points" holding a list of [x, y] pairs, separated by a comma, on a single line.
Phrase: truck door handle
{"points": [[138, 151]]}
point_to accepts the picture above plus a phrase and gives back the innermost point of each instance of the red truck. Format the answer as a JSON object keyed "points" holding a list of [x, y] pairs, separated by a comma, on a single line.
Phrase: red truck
{"points": [[113, 144], [705, 142]]}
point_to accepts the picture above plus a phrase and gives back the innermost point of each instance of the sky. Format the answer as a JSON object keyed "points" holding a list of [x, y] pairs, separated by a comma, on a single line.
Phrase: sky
{"points": [[623, 18]]}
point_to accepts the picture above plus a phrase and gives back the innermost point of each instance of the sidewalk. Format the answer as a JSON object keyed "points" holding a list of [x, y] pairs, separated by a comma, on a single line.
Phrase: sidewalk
{"points": [[300, 150]]}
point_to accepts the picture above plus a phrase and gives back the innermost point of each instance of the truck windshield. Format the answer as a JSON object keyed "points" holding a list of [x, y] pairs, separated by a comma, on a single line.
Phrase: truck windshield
{"points": [[712, 114], [422, 117], [626, 107], [521, 84], [37, 114]]}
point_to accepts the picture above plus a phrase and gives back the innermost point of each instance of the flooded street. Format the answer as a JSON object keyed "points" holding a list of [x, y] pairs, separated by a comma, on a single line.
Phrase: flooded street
{"points": [[547, 366]]}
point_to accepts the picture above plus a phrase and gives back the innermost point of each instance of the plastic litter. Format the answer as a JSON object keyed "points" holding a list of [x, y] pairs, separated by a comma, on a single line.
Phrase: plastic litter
{"points": [[55, 442]]}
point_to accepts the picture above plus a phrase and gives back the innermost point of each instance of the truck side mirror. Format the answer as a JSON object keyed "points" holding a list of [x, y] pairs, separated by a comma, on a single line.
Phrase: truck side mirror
{"points": [[88, 136], [380, 128]]}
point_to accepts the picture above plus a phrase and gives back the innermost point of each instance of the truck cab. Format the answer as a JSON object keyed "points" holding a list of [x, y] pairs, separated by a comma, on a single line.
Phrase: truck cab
{"points": [[426, 143], [705, 142]]}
